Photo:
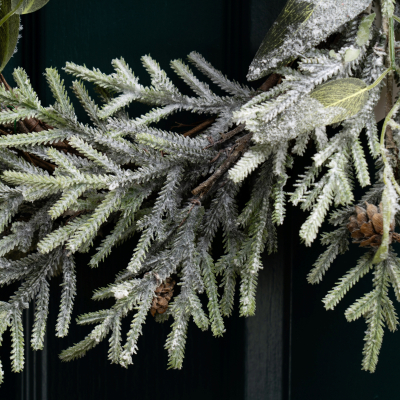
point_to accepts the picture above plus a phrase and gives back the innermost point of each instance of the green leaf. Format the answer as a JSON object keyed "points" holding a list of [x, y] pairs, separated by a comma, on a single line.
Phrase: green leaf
{"points": [[9, 32], [28, 6], [333, 54], [364, 29], [349, 94], [351, 54], [300, 26]]}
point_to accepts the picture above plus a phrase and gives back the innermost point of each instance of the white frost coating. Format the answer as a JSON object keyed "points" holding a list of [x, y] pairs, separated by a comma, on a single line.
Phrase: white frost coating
{"points": [[327, 17], [320, 137], [304, 116], [114, 185], [120, 293]]}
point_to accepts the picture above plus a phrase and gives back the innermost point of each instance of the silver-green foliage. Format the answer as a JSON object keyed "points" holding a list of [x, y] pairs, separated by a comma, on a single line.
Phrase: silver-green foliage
{"points": [[140, 179]]}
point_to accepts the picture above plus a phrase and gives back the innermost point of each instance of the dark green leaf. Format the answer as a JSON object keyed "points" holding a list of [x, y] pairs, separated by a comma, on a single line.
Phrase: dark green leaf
{"points": [[9, 32]]}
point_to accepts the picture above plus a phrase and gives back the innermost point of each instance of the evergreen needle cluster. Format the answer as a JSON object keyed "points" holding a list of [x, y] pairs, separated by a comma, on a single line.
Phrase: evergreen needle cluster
{"points": [[175, 192]]}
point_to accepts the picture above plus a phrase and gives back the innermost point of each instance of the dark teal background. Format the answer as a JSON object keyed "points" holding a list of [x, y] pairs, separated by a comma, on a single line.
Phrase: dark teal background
{"points": [[315, 354]]}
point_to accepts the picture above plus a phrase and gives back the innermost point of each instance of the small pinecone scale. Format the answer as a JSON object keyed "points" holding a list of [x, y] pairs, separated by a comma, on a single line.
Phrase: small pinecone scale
{"points": [[163, 295], [366, 227]]}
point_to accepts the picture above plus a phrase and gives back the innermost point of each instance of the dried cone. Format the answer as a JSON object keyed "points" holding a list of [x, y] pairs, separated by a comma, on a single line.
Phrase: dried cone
{"points": [[163, 295], [366, 227]]}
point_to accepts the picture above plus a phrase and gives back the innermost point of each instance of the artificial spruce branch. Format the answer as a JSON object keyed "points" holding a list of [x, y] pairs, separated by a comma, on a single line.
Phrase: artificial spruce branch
{"points": [[61, 184]]}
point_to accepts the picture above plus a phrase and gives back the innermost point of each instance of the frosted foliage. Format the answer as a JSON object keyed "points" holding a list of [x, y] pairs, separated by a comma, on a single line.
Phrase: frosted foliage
{"points": [[175, 196], [320, 138], [326, 17], [304, 116]]}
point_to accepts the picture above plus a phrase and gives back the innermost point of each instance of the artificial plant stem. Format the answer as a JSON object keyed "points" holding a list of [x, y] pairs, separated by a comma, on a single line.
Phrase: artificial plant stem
{"points": [[392, 53], [388, 29], [379, 80], [11, 13], [387, 173], [388, 144], [383, 147]]}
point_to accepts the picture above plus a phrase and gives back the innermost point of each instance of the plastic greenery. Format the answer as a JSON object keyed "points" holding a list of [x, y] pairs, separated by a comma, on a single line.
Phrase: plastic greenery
{"points": [[176, 191]]}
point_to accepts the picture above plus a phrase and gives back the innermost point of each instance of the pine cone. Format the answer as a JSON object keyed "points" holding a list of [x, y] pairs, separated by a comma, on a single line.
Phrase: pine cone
{"points": [[366, 227], [164, 294]]}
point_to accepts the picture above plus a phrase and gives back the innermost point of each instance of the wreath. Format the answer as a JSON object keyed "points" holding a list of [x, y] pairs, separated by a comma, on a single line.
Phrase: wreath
{"points": [[324, 64]]}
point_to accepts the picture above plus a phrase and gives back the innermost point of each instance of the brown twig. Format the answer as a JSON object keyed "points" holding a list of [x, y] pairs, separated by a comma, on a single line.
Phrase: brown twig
{"points": [[32, 125], [35, 125], [195, 202], [182, 125], [22, 128], [74, 216], [37, 161], [239, 149], [4, 82], [200, 127], [228, 135], [33, 159], [274, 79], [271, 81]]}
